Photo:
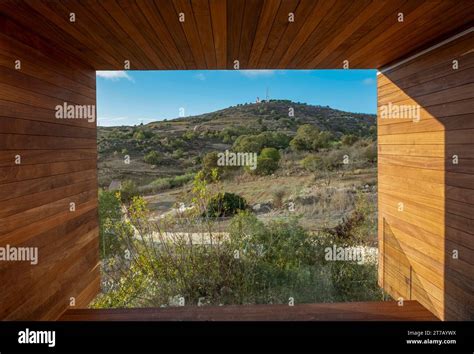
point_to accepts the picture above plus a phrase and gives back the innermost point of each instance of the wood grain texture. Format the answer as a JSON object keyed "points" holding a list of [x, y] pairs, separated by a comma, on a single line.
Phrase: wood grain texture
{"points": [[58, 167], [214, 33], [347, 311], [58, 157], [416, 169]]}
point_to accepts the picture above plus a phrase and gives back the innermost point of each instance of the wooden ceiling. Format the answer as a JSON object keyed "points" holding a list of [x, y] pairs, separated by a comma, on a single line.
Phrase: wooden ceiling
{"points": [[214, 33]]}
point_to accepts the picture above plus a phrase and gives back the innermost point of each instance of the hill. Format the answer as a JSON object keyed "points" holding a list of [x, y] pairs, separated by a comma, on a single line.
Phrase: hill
{"points": [[178, 145]]}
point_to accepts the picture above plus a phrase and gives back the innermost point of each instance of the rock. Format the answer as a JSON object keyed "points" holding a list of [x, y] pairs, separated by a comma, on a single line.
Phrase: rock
{"points": [[262, 207]]}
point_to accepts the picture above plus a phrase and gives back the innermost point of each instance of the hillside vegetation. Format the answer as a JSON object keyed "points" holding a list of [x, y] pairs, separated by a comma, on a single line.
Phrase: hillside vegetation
{"points": [[178, 146], [186, 228]]}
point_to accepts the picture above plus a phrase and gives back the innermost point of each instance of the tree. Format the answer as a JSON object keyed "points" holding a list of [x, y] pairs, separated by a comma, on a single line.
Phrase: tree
{"points": [[309, 138], [305, 137], [255, 143]]}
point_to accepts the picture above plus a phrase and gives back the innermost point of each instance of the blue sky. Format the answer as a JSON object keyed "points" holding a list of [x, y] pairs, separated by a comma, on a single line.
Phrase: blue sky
{"points": [[132, 97]]}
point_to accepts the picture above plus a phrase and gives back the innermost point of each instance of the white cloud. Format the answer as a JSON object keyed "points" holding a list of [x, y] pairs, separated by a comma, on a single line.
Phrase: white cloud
{"points": [[368, 81], [114, 75], [200, 76], [256, 73]]}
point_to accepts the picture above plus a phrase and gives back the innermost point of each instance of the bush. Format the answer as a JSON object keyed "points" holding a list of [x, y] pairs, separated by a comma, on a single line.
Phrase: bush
{"points": [[225, 204], [152, 158], [109, 215], [256, 264], [177, 143], [278, 196], [255, 143], [165, 183], [128, 190], [309, 138], [349, 139], [178, 153], [265, 166], [209, 164], [190, 135], [271, 153], [370, 152], [138, 135], [142, 133], [312, 163]]}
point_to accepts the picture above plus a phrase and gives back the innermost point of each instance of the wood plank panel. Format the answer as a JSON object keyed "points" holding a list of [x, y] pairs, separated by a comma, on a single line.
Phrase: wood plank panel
{"points": [[59, 58], [415, 167], [366, 34], [352, 311], [33, 157], [30, 201], [331, 23], [149, 54], [28, 127], [27, 172], [192, 35], [301, 14], [256, 32], [279, 26], [202, 16], [235, 15], [427, 25], [428, 124], [57, 167], [219, 31]]}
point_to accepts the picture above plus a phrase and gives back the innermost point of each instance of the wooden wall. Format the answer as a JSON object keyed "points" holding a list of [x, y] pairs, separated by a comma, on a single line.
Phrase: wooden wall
{"points": [[58, 166], [416, 168]]}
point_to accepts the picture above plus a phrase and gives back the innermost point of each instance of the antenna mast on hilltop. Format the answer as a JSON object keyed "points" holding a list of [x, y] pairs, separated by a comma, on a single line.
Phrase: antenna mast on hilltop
{"points": [[267, 96]]}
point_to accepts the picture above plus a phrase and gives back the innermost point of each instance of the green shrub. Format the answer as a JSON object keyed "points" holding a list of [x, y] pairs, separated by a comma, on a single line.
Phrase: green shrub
{"points": [[177, 143], [349, 139], [309, 138], [160, 184], [265, 166], [225, 204], [180, 180], [165, 183], [271, 153], [256, 264], [109, 215], [178, 153], [255, 143], [138, 135], [312, 163], [142, 133], [128, 190], [190, 135], [152, 158], [209, 164]]}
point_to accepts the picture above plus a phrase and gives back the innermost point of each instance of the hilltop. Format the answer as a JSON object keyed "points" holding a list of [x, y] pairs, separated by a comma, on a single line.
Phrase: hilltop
{"points": [[178, 145]]}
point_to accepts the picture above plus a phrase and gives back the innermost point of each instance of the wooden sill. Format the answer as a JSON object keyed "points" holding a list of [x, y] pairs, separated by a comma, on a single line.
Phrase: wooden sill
{"points": [[346, 311]]}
